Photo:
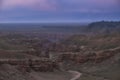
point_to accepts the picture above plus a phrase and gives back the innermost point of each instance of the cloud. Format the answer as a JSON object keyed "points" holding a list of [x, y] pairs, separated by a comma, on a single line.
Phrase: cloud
{"points": [[95, 2], [63, 5], [90, 5], [35, 4], [22, 10]]}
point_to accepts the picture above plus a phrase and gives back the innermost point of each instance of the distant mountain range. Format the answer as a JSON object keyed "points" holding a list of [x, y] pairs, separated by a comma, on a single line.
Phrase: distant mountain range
{"points": [[95, 27]]}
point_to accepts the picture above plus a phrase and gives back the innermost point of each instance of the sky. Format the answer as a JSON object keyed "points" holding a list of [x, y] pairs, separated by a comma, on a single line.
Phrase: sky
{"points": [[59, 10]]}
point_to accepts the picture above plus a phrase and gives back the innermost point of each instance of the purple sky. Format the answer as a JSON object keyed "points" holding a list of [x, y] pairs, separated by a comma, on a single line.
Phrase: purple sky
{"points": [[59, 10]]}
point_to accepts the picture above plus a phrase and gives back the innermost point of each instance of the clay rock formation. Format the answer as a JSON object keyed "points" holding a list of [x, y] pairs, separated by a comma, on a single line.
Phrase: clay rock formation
{"points": [[77, 58], [42, 65], [95, 57], [103, 55]]}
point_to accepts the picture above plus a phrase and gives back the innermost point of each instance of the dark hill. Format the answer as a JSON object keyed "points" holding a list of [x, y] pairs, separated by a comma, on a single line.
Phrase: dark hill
{"points": [[103, 27]]}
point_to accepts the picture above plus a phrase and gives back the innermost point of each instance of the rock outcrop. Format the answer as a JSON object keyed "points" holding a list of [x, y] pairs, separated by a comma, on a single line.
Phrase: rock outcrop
{"points": [[42, 65], [95, 57]]}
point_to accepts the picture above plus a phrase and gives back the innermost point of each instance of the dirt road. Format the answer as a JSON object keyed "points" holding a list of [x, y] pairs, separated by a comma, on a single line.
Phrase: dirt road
{"points": [[76, 74]]}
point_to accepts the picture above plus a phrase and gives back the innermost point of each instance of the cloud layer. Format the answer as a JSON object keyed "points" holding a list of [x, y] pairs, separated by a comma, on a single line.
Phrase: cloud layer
{"points": [[73, 5], [35, 4], [58, 9]]}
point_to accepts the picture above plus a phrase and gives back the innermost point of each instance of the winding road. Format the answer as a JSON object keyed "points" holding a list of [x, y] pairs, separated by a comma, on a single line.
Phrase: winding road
{"points": [[76, 74]]}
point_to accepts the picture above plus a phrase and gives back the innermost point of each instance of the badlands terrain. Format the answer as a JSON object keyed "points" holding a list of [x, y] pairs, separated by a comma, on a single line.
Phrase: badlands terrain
{"points": [[60, 52]]}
